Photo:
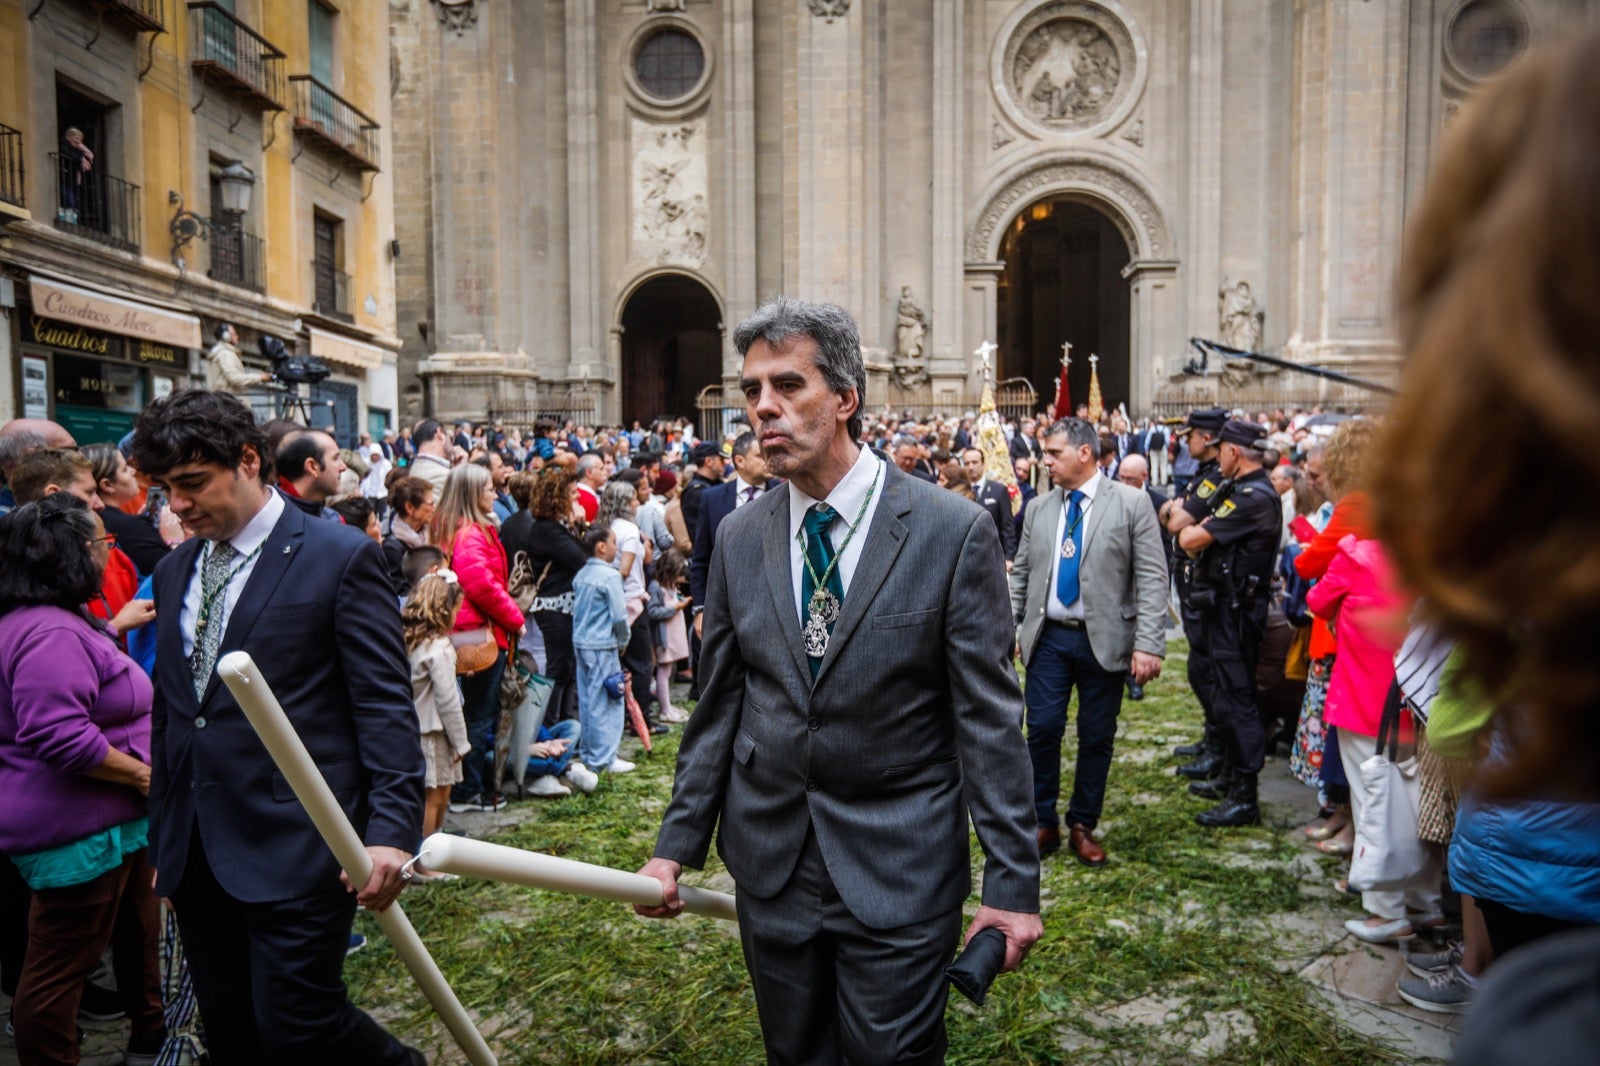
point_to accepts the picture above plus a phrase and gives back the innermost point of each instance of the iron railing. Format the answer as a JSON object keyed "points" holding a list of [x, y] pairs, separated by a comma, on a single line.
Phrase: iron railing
{"points": [[142, 16], [233, 55], [94, 204], [330, 291], [12, 171], [237, 258], [332, 121]]}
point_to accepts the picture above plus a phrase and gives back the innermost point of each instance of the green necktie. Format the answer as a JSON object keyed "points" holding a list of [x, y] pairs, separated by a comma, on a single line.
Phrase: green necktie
{"points": [[820, 556]]}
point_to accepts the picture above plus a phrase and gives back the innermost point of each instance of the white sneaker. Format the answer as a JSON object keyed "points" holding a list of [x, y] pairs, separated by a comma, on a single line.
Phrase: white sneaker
{"points": [[673, 715], [581, 777], [619, 766], [545, 785]]}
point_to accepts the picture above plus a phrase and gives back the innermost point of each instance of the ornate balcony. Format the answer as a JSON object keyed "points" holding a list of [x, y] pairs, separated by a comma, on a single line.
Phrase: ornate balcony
{"points": [[329, 120], [235, 58], [94, 204], [141, 16], [12, 171], [237, 258]]}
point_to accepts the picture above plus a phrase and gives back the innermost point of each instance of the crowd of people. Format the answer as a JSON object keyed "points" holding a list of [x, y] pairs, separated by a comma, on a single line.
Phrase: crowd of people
{"points": [[1400, 603]]}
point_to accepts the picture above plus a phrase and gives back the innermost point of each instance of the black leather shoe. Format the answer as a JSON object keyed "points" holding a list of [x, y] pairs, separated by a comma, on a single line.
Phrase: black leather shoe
{"points": [[1203, 768], [1189, 751], [1238, 808], [1213, 788], [657, 726]]}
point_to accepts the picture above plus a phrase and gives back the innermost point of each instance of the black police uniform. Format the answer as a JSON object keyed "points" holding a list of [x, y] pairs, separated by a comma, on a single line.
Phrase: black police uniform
{"points": [[1231, 592], [1204, 493]]}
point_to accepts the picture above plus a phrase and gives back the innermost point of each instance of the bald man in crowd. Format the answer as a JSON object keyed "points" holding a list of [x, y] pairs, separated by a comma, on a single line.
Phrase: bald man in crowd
{"points": [[23, 436]]}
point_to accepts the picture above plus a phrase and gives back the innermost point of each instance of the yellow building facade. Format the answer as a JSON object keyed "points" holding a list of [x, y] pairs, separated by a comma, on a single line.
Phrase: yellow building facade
{"points": [[172, 167]]}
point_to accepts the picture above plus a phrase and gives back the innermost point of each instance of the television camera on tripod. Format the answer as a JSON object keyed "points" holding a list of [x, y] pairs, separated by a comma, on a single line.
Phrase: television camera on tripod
{"points": [[289, 372]]}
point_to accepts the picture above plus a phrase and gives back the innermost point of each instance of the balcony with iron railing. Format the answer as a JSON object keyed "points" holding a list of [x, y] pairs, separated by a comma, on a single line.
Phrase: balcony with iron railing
{"points": [[12, 171], [96, 205], [330, 291], [328, 119], [229, 54], [141, 16], [237, 258]]}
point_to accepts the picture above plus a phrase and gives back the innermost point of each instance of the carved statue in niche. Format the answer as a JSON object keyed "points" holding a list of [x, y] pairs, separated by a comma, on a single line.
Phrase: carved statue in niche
{"points": [[1239, 317], [910, 334], [1066, 73]]}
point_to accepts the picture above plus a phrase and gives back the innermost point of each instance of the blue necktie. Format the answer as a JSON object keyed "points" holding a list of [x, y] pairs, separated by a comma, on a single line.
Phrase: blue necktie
{"points": [[1067, 572]]}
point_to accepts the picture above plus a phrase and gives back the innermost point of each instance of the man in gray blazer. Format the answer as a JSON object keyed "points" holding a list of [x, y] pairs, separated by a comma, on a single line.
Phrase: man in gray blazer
{"points": [[857, 704], [1089, 596]]}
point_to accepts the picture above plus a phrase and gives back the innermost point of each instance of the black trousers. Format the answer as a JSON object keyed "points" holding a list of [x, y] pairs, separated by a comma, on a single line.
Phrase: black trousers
{"points": [[560, 666], [1509, 929], [639, 659], [830, 990], [1232, 642], [269, 976], [1201, 670]]}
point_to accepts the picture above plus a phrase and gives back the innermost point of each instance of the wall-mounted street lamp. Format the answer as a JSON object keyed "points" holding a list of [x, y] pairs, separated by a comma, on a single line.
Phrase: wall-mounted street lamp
{"points": [[236, 182]]}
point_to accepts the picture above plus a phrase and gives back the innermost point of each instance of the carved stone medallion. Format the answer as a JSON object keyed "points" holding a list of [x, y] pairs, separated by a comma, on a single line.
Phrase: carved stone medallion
{"points": [[830, 9], [1069, 66], [457, 15]]}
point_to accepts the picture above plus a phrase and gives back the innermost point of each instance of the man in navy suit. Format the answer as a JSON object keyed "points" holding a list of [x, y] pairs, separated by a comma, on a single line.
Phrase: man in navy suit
{"points": [[993, 497], [258, 895], [718, 502]]}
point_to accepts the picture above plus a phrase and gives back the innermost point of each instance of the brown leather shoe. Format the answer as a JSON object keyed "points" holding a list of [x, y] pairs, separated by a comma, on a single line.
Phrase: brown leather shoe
{"points": [[1082, 842], [1049, 840]]}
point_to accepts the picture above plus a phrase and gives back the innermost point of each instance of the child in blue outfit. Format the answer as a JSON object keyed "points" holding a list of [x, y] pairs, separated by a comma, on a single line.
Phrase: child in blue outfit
{"points": [[599, 631]]}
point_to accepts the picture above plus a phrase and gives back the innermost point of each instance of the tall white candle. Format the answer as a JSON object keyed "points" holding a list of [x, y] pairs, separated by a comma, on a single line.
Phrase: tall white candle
{"points": [[496, 862], [261, 707]]}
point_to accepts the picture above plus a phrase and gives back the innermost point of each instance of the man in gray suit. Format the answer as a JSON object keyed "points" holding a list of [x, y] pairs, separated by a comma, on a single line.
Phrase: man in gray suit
{"points": [[1089, 595], [857, 705]]}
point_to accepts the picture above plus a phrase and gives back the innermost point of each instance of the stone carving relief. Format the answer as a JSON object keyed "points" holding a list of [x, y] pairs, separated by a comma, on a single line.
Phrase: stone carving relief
{"points": [[999, 135], [1135, 134], [665, 5], [457, 15], [830, 9], [1065, 73], [1130, 207], [1239, 317], [910, 341], [669, 192]]}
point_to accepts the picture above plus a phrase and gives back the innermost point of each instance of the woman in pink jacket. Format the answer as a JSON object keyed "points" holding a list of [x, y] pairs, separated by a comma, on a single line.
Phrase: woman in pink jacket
{"points": [[464, 526], [1358, 596]]}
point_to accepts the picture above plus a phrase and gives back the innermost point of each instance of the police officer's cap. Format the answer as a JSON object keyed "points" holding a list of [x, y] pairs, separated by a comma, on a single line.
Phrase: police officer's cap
{"points": [[1244, 434], [703, 451], [1205, 419]]}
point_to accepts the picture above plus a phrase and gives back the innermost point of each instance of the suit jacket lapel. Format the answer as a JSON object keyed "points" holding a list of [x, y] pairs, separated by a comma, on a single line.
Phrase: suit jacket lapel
{"points": [[277, 552], [884, 541], [1104, 500], [1044, 530], [775, 552], [173, 586]]}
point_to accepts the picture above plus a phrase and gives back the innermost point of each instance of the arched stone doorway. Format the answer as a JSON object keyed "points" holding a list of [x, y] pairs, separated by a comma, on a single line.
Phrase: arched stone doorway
{"points": [[671, 348], [1063, 281]]}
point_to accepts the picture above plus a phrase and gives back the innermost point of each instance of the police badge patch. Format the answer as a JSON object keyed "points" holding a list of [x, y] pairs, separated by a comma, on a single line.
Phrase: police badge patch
{"points": [[1205, 490], [1227, 508]]}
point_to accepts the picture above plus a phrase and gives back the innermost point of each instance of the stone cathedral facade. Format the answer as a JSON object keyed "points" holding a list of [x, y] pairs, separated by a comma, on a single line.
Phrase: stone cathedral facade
{"points": [[591, 193]]}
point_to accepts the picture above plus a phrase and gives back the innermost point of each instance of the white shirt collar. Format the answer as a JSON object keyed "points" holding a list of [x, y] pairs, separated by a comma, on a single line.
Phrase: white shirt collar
{"points": [[847, 496], [255, 532], [744, 486], [1090, 487]]}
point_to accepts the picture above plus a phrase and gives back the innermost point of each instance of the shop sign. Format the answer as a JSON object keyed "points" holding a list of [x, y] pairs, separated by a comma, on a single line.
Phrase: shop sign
{"points": [[156, 353], [39, 330], [113, 314]]}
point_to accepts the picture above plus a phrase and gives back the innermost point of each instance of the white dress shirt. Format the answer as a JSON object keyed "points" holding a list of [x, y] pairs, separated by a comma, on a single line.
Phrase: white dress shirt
{"points": [[1054, 609], [252, 536], [741, 494], [865, 475]]}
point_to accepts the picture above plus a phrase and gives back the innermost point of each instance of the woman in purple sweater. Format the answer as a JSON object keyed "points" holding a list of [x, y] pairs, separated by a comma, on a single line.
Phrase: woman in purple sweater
{"points": [[74, 771]]}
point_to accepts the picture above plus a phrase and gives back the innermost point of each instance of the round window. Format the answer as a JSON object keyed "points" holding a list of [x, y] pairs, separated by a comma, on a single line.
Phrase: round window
{"points": [[669, 64], [1486, 36]]}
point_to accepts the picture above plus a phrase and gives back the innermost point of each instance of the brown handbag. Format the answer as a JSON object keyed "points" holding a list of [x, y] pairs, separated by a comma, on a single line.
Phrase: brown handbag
{"points": [[476, 650]]}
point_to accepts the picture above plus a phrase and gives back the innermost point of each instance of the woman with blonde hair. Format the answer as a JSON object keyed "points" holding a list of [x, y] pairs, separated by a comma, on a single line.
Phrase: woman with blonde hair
{"points": [[464, 527], [427, 620]]}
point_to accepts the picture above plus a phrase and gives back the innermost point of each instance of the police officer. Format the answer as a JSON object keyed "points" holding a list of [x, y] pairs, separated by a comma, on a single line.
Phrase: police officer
{"points": [[1235, 548], [1183, 510]]}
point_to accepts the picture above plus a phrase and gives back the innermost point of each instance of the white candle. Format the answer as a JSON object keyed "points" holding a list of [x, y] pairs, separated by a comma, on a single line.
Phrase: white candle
{"points": [[496, 862], [261, 707]]}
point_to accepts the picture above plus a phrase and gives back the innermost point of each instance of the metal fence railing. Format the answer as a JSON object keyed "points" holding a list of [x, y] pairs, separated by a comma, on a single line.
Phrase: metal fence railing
{"points": [[328, 118], [94, 204], [330, 291], [230, 52], [237, 258]]}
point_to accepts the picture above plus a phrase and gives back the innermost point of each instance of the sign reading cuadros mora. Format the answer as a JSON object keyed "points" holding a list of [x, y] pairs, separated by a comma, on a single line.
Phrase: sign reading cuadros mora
{"points": [[101, 311]]}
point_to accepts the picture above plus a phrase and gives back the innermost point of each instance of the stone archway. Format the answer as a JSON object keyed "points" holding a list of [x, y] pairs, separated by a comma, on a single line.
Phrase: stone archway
{"points": [[671, 347], [1123, 201]]}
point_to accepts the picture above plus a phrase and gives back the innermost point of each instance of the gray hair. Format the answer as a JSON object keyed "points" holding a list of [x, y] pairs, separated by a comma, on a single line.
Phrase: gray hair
{"points": [[17, 444], [838, 341], [587, 462], [1079, 432], [617, 500]]}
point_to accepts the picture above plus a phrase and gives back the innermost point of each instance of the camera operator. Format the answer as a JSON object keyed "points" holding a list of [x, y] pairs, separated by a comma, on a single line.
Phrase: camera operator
{"points": [[225, 370]]}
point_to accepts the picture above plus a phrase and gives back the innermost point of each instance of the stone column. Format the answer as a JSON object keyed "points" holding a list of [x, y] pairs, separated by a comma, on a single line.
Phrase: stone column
{"points": [[944, 348], [739, 184], [1349, 174], [980, 319], [1156, 327], [1204, 165], [589, 357]]}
